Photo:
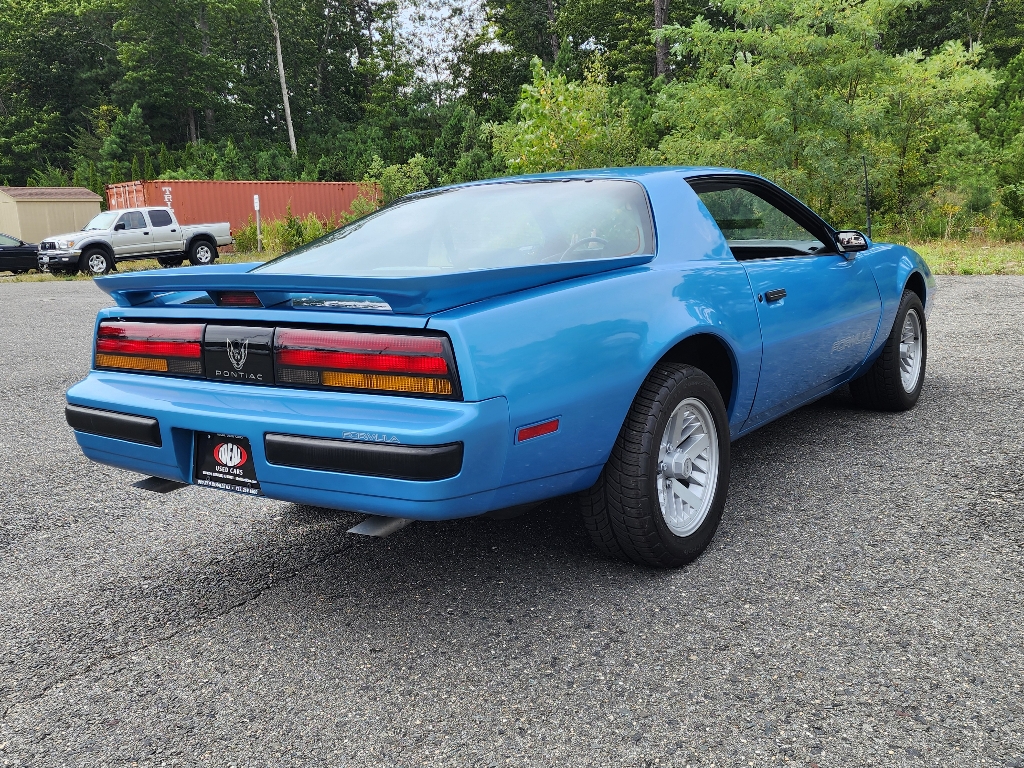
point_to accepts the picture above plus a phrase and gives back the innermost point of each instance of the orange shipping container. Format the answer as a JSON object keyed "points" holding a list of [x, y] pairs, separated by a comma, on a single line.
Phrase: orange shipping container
{"points": [[207, 202]]}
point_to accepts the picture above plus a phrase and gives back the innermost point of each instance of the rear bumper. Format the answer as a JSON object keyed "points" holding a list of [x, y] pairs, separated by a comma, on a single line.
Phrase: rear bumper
{"points": [[397, 456]]}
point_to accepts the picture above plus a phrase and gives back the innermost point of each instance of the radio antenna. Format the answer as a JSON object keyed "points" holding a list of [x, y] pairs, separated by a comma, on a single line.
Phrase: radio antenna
{"points": [[867, 193]]}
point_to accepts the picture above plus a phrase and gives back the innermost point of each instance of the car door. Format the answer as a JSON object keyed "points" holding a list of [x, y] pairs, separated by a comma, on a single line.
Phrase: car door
{"points": [[818, 309], [134, 238], [11, 256], [166, 233]]}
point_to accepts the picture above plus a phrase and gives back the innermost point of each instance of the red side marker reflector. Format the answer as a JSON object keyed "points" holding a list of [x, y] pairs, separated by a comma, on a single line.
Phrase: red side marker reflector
{"points": [[536, 430]]}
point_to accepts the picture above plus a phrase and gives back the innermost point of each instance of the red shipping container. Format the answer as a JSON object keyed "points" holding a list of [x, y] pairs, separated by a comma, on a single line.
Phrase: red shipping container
{"points": [[207, 202]]}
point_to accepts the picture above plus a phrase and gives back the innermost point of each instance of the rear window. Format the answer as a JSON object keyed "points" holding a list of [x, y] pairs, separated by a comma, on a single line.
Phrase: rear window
{"points": [[486, 226], [160, 218]]}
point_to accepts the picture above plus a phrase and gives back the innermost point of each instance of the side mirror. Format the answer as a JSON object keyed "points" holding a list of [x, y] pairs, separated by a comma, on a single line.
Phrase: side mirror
{"points": [[119, 226], [851, 241]]}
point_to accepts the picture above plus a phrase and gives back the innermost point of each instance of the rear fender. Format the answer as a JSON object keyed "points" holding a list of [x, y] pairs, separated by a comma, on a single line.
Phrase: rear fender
{"points": [[580, 353]]}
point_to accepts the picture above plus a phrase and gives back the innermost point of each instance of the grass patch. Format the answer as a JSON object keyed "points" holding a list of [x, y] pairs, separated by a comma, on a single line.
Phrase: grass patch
{"points": [[130, 266], [972, 257], [945, 257]]}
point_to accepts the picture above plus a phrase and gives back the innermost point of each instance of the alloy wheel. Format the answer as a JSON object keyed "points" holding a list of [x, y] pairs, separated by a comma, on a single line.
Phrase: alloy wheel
{"points": [[98, 263], [910, 351], [688, 457]]}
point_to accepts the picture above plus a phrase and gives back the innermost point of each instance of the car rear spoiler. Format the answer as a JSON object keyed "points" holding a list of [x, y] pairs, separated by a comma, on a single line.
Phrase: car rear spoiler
{"points": [[419, 295]]}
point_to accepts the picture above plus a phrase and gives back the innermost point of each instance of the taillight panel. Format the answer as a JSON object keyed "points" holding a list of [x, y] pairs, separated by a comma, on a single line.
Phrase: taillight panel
{"points": [[412, 364], [361, 361], [174, 348]]}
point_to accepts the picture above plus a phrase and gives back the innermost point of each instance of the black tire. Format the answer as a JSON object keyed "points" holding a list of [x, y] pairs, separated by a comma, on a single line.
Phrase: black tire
{"points": [[202, 253], [622, 512], [168, 262], [95, 262], [881, 387]]}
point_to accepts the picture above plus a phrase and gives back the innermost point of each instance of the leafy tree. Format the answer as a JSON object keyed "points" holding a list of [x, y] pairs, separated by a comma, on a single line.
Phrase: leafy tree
{"points": [[802, 93], [565, 125], [998, 25]]}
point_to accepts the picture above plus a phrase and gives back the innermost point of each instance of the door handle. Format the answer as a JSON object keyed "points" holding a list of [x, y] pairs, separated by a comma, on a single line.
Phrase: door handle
{"points": [[174, 230], [145, 233], [776, 295]]}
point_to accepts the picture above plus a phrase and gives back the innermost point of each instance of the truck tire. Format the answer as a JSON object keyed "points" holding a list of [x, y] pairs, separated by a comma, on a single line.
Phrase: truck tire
{"points": [[201, 253], [95, 262], [168, 262]]}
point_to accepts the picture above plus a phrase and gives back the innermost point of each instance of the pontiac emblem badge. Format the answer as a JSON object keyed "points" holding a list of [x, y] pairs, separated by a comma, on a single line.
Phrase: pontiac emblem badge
{"points": [[237, 352]]}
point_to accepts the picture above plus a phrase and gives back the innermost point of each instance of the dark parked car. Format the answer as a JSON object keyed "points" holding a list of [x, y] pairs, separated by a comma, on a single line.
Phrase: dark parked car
{"points": [[16, 255]]}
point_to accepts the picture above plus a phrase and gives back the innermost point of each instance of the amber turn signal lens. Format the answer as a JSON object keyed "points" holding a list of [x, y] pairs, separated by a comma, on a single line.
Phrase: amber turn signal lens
{"points": [[128, 361], [417, 384]]}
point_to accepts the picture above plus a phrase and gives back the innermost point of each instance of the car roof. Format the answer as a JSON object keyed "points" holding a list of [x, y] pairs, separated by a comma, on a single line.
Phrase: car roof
{"points": [[632, 173]]}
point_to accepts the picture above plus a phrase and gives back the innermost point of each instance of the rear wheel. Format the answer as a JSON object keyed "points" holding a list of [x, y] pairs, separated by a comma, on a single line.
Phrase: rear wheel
{"points": [[95, 262], [894, 381], [202, 253], [660, 497]]}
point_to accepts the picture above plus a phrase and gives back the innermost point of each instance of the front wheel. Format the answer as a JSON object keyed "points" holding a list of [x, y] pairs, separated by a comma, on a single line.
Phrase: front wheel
{"points": [[95, 263], [894, 381], [201, 253], [660, 497]]}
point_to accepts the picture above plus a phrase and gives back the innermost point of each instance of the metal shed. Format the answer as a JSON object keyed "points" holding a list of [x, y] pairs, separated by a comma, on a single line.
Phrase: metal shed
{"points": [[32, 213]]}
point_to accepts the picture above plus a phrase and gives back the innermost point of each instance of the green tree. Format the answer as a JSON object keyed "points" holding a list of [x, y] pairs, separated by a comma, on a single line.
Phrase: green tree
{"points": [[563, 125], [801, 92], [128, 143]]}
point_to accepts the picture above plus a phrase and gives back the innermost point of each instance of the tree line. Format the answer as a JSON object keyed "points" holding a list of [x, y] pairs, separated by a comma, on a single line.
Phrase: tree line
{"points": [[928, 97]]}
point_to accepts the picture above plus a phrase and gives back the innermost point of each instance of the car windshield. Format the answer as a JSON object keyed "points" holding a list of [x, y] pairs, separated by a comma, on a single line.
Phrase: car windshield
{"points": [[102, 221], [486, 226]]}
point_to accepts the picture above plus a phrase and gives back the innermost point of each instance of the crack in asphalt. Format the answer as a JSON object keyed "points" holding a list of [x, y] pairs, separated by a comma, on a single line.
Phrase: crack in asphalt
{"points": [[197, 623]]}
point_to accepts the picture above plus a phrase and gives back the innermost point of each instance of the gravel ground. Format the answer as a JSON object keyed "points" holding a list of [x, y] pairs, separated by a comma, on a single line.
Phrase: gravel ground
{"points": [[861, 604]]}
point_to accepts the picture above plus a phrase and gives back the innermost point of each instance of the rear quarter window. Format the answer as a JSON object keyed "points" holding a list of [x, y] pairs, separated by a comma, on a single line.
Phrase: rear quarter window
{"points": [[160, 218]]}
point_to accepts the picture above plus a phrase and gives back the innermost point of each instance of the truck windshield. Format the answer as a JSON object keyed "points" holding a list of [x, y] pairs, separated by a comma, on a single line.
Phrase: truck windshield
{"points": [[102, 221], [486, 226]]}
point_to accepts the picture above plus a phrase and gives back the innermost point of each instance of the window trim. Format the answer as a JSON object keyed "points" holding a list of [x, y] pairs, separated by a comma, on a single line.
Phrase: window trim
{"points": [[776, 196]]}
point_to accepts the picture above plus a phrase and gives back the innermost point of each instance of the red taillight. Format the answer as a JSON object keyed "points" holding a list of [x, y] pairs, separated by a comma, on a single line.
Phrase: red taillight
{"points": [[157, 347], [381, 362], [238, 299]]}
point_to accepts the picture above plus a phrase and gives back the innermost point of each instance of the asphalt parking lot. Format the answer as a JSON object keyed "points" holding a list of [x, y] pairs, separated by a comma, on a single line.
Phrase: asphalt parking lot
{"points": [[861, 605]]}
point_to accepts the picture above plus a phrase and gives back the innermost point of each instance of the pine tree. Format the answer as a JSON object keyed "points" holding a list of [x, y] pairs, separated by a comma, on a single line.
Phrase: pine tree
{"points": [[129, 138]]}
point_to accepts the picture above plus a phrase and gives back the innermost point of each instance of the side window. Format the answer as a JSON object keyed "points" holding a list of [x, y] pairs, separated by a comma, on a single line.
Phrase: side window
{"points": [[126, 220], [756, 229], [8, 240], [136, 220], [160, 218]]}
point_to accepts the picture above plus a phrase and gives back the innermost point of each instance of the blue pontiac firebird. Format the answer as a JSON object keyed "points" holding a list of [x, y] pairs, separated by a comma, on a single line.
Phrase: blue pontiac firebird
{"points": [[483, 347]]}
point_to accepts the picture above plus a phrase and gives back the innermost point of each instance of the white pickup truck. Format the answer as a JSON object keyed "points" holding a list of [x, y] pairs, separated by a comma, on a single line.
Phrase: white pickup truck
{"points": [[133, 233]]}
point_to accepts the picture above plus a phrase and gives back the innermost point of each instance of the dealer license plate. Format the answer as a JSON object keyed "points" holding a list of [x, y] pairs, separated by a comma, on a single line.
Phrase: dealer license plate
{"points": [[225, 462]]}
